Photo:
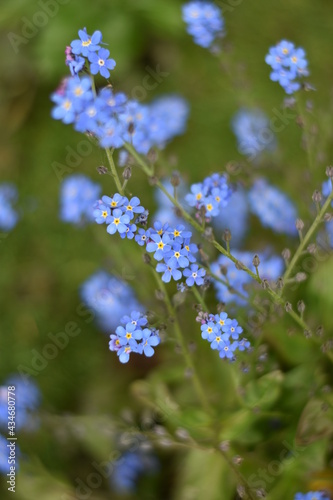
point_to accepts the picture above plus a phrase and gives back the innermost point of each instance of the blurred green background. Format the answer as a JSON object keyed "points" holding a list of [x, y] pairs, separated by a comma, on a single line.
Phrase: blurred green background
{"points": [[44, 261]]}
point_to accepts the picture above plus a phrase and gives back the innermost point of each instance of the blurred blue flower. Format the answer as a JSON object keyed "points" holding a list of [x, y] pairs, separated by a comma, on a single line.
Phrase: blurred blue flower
{"points": [[234, 216], [100, 63], [78, 196], [253, 132], [27, 401], [109, 297], [8, 214], [86, 44], [128, 469], [270, 268], [204, 22], [273, 208], [312, 495]]}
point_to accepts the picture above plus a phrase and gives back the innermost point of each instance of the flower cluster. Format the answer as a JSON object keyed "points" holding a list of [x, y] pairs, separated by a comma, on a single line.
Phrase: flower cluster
{"points": [[312, 495], [27, 401], [204, 22], [88, 49], [119, 213], [223, 334], [77, 198], [8, 215], [253, 133], [210, 195], [173, 250], [111, 117], [134, 336], [273, 208], [107, 299], [288, 63], [235, 280]]}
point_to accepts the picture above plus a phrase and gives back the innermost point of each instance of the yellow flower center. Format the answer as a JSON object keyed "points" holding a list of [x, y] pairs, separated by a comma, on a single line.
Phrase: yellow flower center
{"points": [[176, 233], [209, 329], [187, 248], [67, 104], [116, 222], [177, 255], [198, 196], [209, 207], [128, 335], [294, 59], [129, 207], [218, 339], [221, 322], [101, 62], [160, 245], [113, 203], [217, 198], [104, 214], [160, 232], [78, 91], [285, 51], [87, 43]]}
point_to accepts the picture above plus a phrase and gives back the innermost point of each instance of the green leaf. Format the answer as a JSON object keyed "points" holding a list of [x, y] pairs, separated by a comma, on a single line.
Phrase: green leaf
{"points": [[316, 422], [204, 474], [264, 391]]}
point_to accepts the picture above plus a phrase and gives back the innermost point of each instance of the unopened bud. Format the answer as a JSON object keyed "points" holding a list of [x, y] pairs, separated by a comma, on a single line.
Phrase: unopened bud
{"points": [[265, 284], [288, 307], [329, 171], [175, 179], [256, 261], [320, 331], [317, 197], [102, 170], [307, 334], [328, 217], [300, 277], [312, 248], [301, 306], [226, 235], [280, 283], [299, 224], [208, 234], [127, 173], [286, 254]]}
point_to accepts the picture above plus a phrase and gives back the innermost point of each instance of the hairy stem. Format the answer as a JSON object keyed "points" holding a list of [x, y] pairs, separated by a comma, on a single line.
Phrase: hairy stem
{"points": [[114, 172]]}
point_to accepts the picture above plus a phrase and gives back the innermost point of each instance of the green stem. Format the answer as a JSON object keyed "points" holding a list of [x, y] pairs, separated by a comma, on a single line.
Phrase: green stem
{"points": [[148, 170], [114, 170], [305, 240], [238, 474], [196, 381], [199, 298], [306, 132]]}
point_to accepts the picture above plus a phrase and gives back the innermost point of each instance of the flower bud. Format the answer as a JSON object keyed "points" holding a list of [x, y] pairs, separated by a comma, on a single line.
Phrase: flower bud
{"points": [[317, 197], [299, 224], [127, 173], [102, 170], [301, 306], [329, 171], [256, 261], [288, 307]]}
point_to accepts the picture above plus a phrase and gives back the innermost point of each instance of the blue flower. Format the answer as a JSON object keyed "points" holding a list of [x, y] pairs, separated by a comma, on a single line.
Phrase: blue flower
{"points": [[168, 272], [118, 222], [288, 64], [129, 334], [273, 208], [135, 337], [8, 214], [100, 63], [227, 349], [130, 232], [79, 92], [204, 22], [208, 329], [111, 135], [175, 258], [129, 467], [141, 237], [136, 318], [213, 194], [232, 328], [149, 340], [102, 214], [64, 109], [87, 43], [194, 275], [159, 245], [114, 202], [133, 207]]}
